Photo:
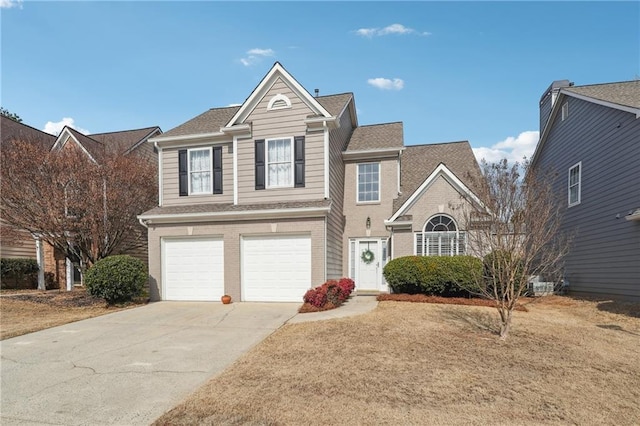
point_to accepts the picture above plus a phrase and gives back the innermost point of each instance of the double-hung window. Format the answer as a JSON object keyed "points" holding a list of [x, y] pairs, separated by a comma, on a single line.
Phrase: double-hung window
{"points": [[368, 182], [200, 171], [575, 184], [280, 163]]}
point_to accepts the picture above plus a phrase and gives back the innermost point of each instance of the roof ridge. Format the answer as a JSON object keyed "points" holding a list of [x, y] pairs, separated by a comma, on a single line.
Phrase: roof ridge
{"points": [[380, 124], [82, 134], [122, 131], [438, 143], [602, 84]]}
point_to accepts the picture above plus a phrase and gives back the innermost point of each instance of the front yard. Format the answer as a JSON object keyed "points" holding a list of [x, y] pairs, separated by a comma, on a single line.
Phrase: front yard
{"points": [[565, 362], [26, 311]]}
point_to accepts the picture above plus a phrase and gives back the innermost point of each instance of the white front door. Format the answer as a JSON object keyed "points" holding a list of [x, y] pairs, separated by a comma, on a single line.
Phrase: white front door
{"points": [[368, 265]]}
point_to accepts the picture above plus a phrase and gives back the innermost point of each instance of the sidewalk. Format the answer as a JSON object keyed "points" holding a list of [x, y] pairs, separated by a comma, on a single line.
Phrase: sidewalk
{"points": [[356, 305]]}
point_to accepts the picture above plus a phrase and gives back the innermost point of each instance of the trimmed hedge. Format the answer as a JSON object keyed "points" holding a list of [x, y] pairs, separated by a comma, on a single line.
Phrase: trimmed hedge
{"points": [[19, 273], [432, 275], [116, 279]]}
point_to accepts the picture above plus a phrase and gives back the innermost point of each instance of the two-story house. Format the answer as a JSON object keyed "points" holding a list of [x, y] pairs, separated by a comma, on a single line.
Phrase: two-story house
{"points": [[590, 142], [265, 200], [64, 271]]}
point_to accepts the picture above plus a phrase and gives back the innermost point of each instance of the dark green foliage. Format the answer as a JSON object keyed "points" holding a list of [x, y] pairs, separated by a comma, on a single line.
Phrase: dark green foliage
{"points": [[19, 273], [116, 279], [11, 115], [431, 275]]}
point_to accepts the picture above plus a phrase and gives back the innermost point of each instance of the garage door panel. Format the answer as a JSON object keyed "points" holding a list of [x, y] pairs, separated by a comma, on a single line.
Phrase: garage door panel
{"points": [[276, 268], [193, 269]]}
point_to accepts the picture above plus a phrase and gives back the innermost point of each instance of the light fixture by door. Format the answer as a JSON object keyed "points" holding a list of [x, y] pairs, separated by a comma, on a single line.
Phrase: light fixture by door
{"points": [[368, 222]]}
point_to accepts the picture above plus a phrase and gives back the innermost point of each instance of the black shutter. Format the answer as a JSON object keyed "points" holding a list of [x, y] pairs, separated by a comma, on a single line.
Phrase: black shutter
{"points": [[217, 170], [183, 176], [260, 163], [299, 162]]}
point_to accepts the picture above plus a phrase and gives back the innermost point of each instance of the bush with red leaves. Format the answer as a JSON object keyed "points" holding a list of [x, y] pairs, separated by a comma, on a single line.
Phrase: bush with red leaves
{"points": [[329, 295]]}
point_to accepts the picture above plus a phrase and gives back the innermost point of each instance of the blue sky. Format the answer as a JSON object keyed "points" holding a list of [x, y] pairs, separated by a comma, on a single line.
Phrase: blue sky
{"points": [[449, 70]]}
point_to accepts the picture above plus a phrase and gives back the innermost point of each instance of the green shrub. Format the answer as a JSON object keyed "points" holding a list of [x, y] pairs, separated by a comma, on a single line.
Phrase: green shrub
{"points": [[116, 279], [431, 275], [19, 273]]}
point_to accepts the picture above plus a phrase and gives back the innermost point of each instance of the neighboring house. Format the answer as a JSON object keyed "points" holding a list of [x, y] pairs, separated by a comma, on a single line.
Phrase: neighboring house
{"points": [[264, 200], [16, 243], [66, 272], [590, 140]]}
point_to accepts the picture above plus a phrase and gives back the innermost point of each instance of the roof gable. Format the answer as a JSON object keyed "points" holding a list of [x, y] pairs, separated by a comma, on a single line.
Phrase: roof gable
{"points": [[276, 72], [418, 161], [90, 147], [441, 171]]}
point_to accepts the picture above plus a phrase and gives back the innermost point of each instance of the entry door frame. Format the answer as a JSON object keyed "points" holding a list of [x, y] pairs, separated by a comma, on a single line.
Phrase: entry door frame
{"points": [[381, 258]]}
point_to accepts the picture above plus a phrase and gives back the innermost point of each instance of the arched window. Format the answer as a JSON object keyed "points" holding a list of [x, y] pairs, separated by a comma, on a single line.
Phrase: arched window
{"points": [[440, 237]]}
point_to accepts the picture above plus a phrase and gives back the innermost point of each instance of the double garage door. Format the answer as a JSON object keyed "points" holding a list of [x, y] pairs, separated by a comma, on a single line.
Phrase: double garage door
{"points": [[272, 268]]}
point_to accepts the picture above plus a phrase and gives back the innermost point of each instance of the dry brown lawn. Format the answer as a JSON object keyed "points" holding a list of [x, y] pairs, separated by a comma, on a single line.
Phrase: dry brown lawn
{"points": [[23, 312], [565, 362]]}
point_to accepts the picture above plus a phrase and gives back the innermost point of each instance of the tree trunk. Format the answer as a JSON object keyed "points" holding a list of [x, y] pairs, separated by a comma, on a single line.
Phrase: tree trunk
{"points": [[505, 324]]}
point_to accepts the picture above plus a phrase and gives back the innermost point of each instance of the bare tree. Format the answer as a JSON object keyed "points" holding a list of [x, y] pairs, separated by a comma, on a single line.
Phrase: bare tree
{"points": [[517, 230], [87, 209]]}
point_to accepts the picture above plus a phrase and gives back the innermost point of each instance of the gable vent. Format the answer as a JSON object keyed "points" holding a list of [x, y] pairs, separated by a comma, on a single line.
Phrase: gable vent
{"points": [[279, 101]]}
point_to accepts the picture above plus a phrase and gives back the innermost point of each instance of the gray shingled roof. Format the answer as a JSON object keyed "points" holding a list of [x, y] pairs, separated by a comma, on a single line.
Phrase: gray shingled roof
{"points": [[208, 122], [123, 140], [626, 93], [376, 136], [212, 120], [334, 104], [229, 207], [419, 161], [95, 148], [11, 130]]}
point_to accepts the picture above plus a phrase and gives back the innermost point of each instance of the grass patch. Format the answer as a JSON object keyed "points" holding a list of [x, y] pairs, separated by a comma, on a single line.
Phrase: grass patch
{"points": [[23, 312], [422, 363]]}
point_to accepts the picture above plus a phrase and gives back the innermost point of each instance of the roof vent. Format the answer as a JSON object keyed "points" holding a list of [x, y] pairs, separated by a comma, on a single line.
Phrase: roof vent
{"points": [[317, 92]]}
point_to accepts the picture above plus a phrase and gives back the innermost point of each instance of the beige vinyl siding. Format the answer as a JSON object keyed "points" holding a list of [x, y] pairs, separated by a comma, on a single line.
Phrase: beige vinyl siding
{"points": [[170, 189], [335, 222], [232, 233], [287, 122], [21, 244]]}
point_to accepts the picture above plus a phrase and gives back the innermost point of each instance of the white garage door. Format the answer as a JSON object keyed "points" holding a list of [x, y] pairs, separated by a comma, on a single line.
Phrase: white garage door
{"points": [[276, 269], [193, 269]]}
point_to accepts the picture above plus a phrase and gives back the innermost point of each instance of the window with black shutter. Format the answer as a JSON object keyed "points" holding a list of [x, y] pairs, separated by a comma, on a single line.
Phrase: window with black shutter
{"points": [[217, 170], [260, 164], [299, 161], [183, 173]]}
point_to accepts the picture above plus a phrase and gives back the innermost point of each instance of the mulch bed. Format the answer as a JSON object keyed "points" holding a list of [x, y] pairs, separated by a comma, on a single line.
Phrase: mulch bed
{"points": [[308, 307], [421, 298]]}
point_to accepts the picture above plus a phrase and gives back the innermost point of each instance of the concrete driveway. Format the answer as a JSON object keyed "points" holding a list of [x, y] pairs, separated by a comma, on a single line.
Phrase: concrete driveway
{"points": [[129, 367]]}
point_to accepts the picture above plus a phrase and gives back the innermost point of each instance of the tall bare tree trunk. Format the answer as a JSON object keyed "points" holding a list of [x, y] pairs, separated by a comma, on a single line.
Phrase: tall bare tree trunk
{"points": [[505, 323]]}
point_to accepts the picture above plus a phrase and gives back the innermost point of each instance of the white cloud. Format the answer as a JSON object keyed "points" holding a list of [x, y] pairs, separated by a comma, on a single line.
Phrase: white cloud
{"points": [[512, 148], [8, 4], [254, 56], [386, 83], [390, 29], [55, 128]]}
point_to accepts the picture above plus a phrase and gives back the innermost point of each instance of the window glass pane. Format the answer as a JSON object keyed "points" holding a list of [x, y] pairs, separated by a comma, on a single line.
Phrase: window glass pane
{"points": [[279, 158], [200, 171], [368, 182]]}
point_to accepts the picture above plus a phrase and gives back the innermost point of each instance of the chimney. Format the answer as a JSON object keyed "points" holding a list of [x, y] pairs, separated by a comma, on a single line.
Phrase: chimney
{"points": [[548, 99]]}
